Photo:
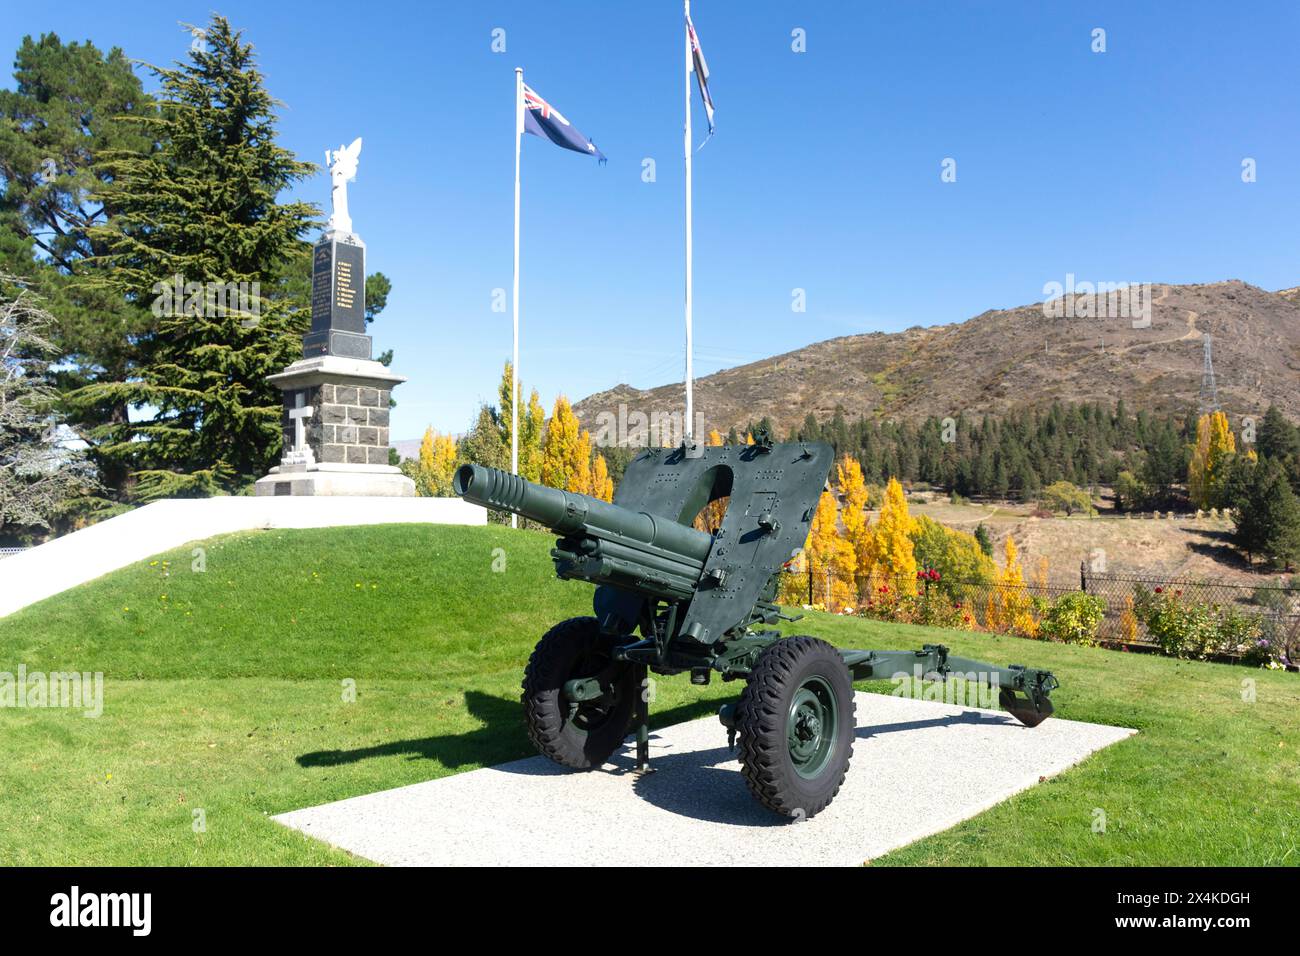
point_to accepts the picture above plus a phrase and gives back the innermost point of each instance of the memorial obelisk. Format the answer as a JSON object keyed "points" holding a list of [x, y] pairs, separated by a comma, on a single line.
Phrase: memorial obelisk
{"points": [[336, 396]]}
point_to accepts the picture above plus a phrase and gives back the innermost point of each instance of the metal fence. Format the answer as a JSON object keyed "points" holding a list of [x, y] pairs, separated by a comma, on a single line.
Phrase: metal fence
{"points": [[1272, 606]]}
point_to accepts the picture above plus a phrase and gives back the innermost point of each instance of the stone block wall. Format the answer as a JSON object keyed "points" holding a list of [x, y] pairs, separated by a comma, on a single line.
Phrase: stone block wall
{"points": [[349, 423]]}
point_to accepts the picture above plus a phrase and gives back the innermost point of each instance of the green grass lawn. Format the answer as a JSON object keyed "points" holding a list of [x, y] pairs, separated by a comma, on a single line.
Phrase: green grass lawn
{"points": [[225, 692]]}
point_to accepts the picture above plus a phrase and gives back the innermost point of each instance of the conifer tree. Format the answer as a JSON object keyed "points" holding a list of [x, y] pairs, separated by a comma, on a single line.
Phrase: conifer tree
{"points": [[206, 207], [71, 104]]}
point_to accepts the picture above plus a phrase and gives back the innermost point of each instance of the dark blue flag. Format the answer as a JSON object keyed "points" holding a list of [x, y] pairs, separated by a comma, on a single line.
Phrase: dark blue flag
{"points": [[543, 119]]}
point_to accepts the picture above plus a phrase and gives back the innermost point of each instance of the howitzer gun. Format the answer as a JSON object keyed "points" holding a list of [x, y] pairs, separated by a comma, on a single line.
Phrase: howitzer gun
{"points": [[671, 599]]}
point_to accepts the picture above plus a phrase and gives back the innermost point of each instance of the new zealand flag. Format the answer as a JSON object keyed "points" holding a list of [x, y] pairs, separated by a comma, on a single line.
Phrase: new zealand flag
{"points": [[543, 119]]}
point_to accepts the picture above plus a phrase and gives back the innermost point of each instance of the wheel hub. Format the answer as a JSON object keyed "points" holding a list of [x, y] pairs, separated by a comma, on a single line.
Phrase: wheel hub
{"points": [[811, 726]]}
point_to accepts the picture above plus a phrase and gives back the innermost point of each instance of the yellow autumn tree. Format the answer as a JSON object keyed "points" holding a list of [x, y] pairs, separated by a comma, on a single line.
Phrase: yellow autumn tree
{"points": [[831, 557], [895, 559], [602, 486], [559, 445], [853, 515], [1013, 609], [435, 466], [1208, 469], [580, 465]]}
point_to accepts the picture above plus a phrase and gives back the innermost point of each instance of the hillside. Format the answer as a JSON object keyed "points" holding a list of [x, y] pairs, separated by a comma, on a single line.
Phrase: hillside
{"points": [[1008, 357]]}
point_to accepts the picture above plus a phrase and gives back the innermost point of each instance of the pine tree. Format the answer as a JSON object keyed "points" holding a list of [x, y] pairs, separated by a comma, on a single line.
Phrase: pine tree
{"points": [[71, 104], [1267, 517], [205, 207], [38, 478]]}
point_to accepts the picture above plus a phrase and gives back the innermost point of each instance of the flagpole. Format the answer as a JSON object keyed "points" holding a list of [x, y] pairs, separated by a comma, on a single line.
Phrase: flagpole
{"points": [[690, 398], [514, 298]]}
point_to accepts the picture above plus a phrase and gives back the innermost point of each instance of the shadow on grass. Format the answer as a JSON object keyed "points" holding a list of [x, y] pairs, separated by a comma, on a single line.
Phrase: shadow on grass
{"points": [[501, 739]]}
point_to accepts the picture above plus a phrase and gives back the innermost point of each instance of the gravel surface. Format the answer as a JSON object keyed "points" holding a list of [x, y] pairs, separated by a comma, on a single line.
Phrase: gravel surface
{"points": [[918, 767]]}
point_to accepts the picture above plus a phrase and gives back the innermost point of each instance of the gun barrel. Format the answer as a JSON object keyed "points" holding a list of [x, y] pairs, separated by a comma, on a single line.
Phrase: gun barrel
{"points": [[569, 513]]}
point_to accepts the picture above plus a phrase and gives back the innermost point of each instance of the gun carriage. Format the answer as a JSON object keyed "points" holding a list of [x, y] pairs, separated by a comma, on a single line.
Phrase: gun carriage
{"points": [[672, 599]]}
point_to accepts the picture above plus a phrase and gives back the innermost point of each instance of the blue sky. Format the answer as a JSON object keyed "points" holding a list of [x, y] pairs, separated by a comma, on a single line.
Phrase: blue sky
{"points": [[824, 174]]}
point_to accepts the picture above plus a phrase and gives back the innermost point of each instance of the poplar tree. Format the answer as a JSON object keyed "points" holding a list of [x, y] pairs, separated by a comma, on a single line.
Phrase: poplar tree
{"points": [[1211, 455], [895, 557], [853, 515], [558, 447], [205, 207], [532, 423]]}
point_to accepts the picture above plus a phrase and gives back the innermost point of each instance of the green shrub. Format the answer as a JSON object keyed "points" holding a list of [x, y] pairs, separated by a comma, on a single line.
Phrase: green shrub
{"points": [[1073, 619], [1191, 629]]}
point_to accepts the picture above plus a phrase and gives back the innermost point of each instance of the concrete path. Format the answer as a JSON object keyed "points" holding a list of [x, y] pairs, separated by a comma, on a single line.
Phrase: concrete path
{"points": [[918, 767], [91, 552]]}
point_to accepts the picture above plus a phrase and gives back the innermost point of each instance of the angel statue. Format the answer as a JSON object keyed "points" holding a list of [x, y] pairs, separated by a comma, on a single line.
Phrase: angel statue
{"points": [[342, 163]]}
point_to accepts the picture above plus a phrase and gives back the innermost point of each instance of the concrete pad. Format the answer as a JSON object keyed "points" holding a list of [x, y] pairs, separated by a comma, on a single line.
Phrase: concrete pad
{"points": [[918, 767]]}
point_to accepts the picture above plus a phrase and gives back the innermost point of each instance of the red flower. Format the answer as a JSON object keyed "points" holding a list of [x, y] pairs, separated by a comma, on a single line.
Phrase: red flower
{"points": [[1160, 590]]}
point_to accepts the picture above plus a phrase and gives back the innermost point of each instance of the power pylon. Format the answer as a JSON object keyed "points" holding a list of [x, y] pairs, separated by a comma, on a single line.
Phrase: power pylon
{"points": [[1209, 393]]}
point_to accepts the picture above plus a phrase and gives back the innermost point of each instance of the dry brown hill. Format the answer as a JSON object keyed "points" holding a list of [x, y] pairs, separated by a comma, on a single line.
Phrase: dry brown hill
{"points": [[1010, 357]]}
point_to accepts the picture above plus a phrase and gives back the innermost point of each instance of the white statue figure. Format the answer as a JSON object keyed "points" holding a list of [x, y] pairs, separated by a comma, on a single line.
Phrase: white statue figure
{"points": [[342, 163]]}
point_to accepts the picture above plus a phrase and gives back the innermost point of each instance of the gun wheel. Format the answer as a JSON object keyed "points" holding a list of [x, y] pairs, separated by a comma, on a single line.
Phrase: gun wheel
{"points": [[795, 722], [579, 735]]}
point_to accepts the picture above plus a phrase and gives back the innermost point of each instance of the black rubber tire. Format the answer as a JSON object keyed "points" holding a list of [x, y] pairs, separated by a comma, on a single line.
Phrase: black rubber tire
{"points": [[585, 740], [761, 724]]}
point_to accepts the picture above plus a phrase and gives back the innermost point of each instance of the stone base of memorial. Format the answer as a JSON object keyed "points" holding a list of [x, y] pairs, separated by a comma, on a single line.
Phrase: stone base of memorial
{"points": [[335, 426]]}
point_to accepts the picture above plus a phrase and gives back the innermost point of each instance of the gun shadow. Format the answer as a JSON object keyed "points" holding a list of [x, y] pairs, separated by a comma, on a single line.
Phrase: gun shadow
{"points": [[705, 784], [501, 739]]}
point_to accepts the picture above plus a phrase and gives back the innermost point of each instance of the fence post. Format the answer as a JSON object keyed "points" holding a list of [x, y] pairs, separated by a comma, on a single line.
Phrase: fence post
{"points": [[810, 582], [1083, 576]]}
